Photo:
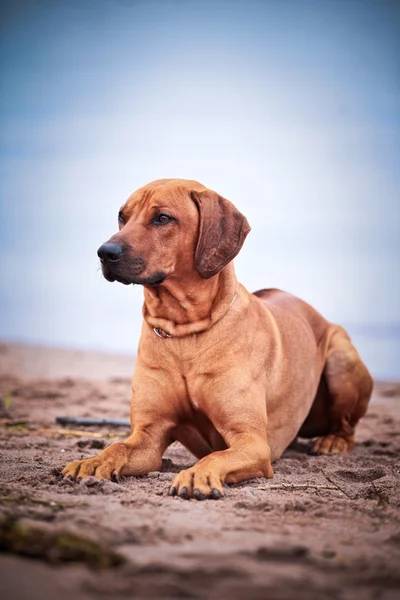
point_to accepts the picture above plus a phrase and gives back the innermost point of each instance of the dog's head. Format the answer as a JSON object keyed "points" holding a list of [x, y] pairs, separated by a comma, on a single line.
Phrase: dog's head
{"points": [[169, 228]]}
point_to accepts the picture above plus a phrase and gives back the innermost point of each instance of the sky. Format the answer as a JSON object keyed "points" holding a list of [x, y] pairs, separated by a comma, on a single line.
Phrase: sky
{"points": [[290, 108]]}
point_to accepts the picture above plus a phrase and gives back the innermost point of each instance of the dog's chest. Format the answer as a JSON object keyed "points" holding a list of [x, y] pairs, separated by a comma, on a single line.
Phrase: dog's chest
{"points": [[194, 403]]}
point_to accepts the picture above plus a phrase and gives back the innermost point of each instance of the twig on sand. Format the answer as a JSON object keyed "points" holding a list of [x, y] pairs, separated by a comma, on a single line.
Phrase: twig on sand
{"points": [[93, 422], [305, 486], [67, 432], [298, 486], [328, 478], [383, 498]]}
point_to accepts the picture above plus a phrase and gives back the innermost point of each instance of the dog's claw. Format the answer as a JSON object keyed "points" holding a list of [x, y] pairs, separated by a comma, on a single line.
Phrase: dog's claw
{"points": [[79, 480], [199, 495], [184, 492], [70, 478], [115, 478], [215, 494], [172, 491], [59, 476]]}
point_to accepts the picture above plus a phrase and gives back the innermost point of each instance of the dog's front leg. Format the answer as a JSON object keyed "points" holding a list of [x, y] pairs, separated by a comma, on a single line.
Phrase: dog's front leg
{"points": [[241, 419], [142, 452]]}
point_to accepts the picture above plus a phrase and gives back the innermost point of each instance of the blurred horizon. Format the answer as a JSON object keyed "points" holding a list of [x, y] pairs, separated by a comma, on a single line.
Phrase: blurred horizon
{"points": [[290, 109]]}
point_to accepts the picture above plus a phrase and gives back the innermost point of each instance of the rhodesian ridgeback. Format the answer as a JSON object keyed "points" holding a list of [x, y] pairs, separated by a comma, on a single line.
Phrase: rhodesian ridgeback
{"points": [[233, 376]]}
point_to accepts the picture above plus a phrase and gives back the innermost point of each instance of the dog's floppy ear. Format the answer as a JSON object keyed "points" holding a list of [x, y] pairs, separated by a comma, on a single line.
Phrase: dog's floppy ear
{"points": [[222, 231]]}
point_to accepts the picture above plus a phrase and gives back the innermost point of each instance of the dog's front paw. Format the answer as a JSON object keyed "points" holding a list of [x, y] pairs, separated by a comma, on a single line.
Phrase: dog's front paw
{"points": [[107, 465], [332, 444], [196, 483]]}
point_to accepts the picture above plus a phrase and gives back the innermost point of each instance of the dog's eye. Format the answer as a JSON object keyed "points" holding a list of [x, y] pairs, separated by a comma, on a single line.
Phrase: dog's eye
{"points": [[162, 219], [121, 218]]}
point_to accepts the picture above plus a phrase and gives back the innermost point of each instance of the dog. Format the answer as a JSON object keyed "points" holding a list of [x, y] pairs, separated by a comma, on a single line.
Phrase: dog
{"points": [[233, 376]]}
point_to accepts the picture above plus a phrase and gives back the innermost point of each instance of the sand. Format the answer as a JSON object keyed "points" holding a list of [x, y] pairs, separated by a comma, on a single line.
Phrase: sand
{"points": [[324, 527]]}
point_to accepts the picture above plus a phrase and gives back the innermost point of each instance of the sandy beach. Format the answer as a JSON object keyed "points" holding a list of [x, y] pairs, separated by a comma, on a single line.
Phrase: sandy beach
{"points": [[324, 527]]}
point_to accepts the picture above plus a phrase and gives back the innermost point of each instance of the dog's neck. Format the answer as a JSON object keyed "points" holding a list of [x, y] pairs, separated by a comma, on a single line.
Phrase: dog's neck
{"points": [[183, 306]]}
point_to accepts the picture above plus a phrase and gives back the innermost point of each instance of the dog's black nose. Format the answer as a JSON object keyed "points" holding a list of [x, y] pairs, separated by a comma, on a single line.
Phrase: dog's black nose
{"points": [[109, 252]]}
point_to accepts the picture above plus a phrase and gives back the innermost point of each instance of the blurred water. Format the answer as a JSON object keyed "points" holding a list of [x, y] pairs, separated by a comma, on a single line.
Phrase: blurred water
{"points": [[379, 350], [290, 109]]}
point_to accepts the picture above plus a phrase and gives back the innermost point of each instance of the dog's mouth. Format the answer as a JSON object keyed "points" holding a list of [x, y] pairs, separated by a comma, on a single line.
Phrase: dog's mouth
{"points": [[155, 280], [152, 281], [111, 278]]}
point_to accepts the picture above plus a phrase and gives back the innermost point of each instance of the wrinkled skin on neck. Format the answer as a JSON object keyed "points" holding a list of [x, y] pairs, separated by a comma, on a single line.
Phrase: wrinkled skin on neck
{"points": [[190, 306]]}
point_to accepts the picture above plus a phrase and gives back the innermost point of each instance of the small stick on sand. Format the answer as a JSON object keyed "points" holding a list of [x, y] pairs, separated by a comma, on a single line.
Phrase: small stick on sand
{"points": [[300, 486], [92, 422], [336, 485], [71, 432]]}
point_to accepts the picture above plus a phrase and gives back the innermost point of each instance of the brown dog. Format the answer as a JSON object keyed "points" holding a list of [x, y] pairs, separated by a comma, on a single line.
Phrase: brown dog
{"points": [[233, 376]]}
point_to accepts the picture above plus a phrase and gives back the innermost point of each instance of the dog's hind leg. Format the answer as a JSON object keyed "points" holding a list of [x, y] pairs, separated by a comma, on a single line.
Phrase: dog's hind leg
{"points": [[349, 385]]}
